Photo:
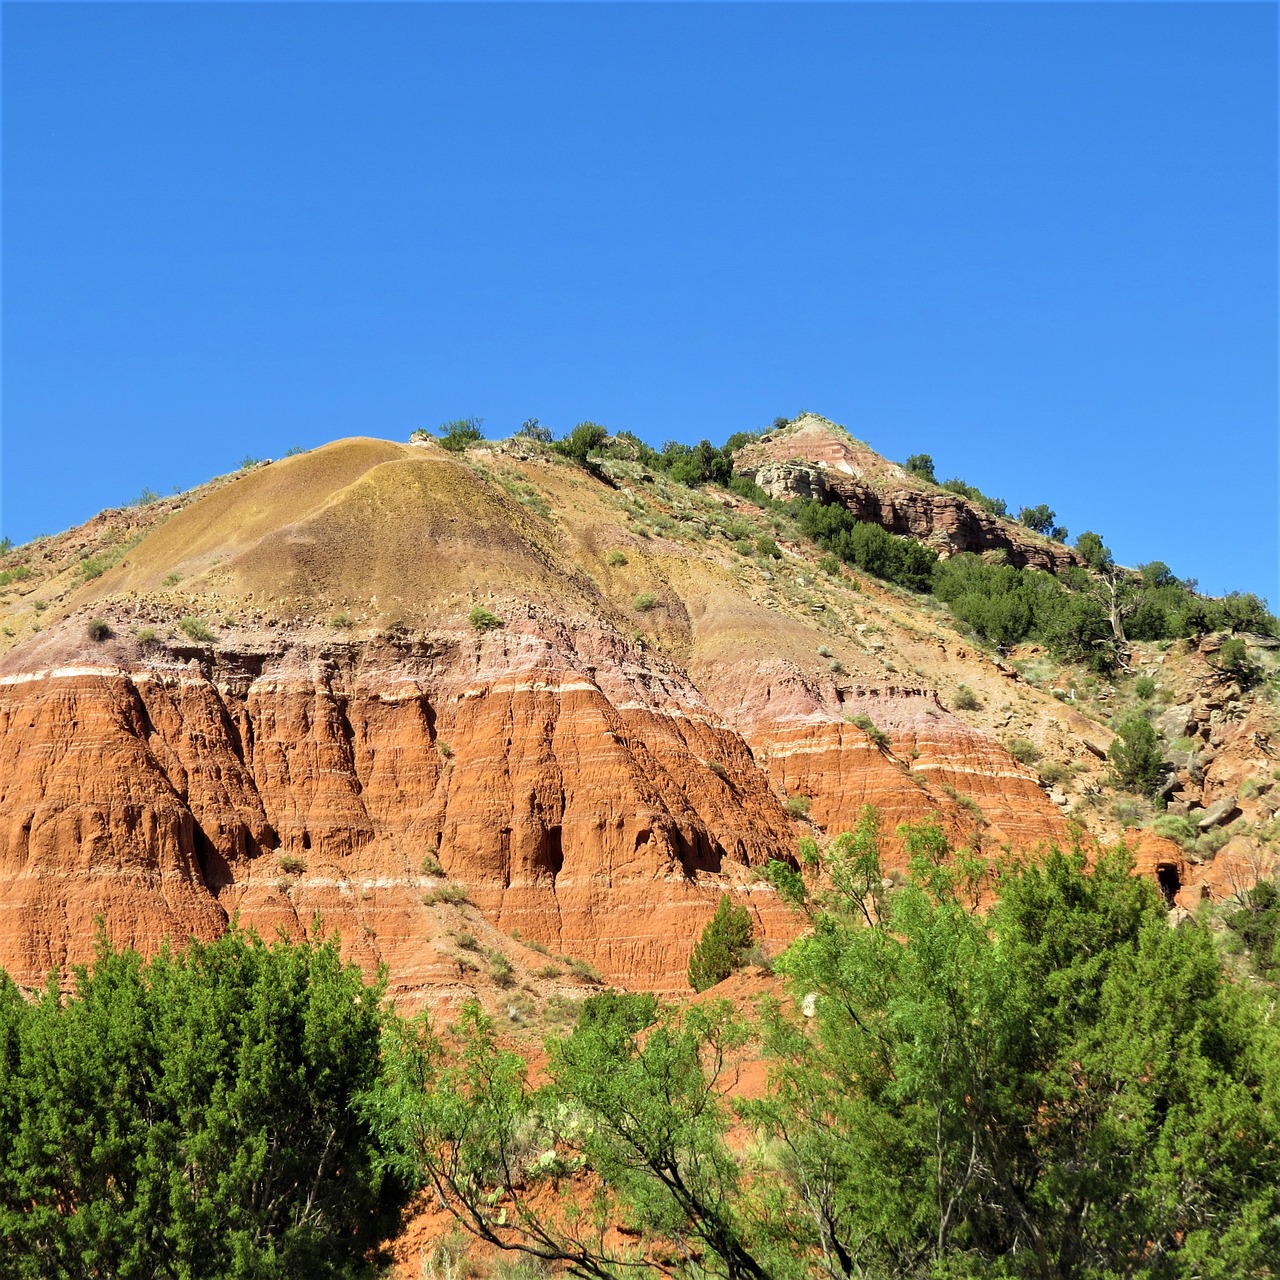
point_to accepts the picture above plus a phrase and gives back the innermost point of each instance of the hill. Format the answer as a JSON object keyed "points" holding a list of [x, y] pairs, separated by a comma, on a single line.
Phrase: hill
{"points": [[511, 721]]}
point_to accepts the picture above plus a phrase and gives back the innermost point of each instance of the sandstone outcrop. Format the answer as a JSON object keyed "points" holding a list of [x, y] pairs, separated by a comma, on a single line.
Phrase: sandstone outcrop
{"points": [[813, 458]]}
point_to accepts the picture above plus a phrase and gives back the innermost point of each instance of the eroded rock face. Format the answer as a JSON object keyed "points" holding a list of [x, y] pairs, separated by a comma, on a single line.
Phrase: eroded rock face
{"points": [[581, 792], [814, 458]]}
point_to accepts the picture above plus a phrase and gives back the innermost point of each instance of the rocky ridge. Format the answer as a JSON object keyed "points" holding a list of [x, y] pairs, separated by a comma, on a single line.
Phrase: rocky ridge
{"points": [[289, 717]]}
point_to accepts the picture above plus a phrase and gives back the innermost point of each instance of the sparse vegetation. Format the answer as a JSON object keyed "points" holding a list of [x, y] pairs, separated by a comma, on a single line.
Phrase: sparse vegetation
{"points": [[341, 622], [872, 730], [98, 630], [1023, 751], [482, 620], [451, 894], [615, 559], [461, 434], [723, 946], [1144, 687], [645, 601], [430, 866], [797, 806], [196, 629], [290, 864], [966, 699], [19, 573], [171, 579]]}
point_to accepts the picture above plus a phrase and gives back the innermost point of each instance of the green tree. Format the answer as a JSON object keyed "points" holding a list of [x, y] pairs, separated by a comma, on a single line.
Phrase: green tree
{"points": [[1096, 555], [581, 442], [205, 1114], [722, 947], [1135, 756], [921, 464], [461, 434]]}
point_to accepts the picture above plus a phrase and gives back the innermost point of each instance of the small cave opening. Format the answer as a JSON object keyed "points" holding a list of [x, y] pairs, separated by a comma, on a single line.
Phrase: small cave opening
{"points": [[1169, 880], [306, 840], [550, 856]]}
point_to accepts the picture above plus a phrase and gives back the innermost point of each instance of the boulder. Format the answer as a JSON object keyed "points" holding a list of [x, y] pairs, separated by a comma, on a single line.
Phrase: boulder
{"points": [[1217, 813]]}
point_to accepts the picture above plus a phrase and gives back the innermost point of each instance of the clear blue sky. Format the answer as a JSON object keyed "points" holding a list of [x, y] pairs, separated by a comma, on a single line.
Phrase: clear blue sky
{"points": [[1037, 241]]}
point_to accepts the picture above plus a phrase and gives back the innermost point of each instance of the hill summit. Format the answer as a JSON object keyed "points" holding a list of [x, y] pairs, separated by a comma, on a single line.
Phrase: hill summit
{"points": [[512, 714]]}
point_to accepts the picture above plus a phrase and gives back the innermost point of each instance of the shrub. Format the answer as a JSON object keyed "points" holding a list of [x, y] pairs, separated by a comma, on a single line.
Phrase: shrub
{"points": [[837, 530], [1234, 660], [171, 579], [807, 849], [871, 729], [615, 559], [430, 866], [1257, 925], [445, 750], [341, 621], [1175, 827], [248, 462], [453, 895], [824, 651], [581, 442], [1023, 751], [145, 498], [39, 605], [722, 947], [921, 465], [645, 601], [966, 699], [500, 970], [584, 972], [290, 864], [482, 620], [829, 565], [94, 567], [196, 628], [460, 434], [797, 806], [549, 971], [97, 630], [1135, 756], [629, 1012], [1144, 687], [146, 635], [172, 1071], [766, 546], [718, 769]]}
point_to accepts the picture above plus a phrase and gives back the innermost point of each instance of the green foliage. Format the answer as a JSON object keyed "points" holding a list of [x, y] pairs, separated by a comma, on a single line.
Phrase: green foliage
{"points": [[723, 945], [1135, 755], [1144, 687], [97, 630], [6, 545], [1096, 555], [482, 620], [197, 629], [1257, 924], [1007, 605], [20, 573], [871, 729], [645, 601], [1173, 826], [1234, 660], [837, 530], [992, 506], [207, 1114], [921, 464], [615, 559], [627, 1012], [460, 434], [1023, 750], [797, 806], [532, 429], [966, 699], [581, 442], [1041, 519], [1017, 1096], [766, 546], [146, 498]]}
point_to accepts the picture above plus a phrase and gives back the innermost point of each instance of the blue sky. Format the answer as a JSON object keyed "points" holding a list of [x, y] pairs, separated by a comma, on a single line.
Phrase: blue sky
{"points": [[1037, 241]]}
